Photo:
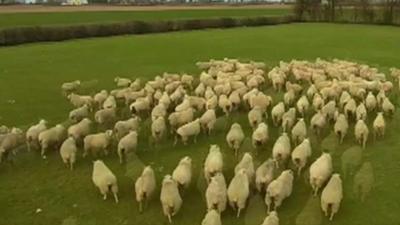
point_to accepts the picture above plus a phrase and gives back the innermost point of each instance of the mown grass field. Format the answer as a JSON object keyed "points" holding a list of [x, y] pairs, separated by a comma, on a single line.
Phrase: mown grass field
{"points": [[31, 76], [67, 18]]}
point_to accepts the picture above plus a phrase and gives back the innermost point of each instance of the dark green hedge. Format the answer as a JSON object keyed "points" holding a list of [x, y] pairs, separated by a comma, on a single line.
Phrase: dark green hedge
{"points": [[14, 36]]}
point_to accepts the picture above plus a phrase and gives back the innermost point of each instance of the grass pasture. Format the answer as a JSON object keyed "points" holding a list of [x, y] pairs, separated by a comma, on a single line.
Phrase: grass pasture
{"points": [[8, 20], [30, 79]]}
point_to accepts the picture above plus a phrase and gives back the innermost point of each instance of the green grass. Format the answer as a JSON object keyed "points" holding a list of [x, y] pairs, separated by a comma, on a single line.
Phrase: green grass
{"points": [[32, 74], [67, 18]]}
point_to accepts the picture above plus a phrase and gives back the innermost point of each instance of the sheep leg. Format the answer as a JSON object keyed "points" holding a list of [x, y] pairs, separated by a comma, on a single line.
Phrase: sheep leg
{"points": [[176, 140], [238, 212], [169, 218], [115, 197]]}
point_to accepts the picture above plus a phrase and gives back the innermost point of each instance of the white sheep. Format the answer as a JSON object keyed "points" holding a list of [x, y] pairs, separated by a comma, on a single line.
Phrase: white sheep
{"points": [[341, 126], [184, 105], [104, 179], [212, 218], [158, 111], [170, 199], [158, 128], [127, 144], [207, 121], [200, 90], [145, 186], [235, 137], [80, 100], [361, 133], [318, 122], [345, 97], [213, 163], [216, 193], [123, 127], [235, 99], [265, 174], [332, 196], [261, 100], [311, 91], [177, 119], [225, 104], [302, 105], [288, 119], [96, 142], [350, 108], [255, 117], [79, 114], [72, 86], [271, 219], [318, 102], [191, 129], [122, 82], [329, 110], [370, 102], [281, 149], [299, 131], [238, 191], [80, 130], [277, 113], [379, 125], [260, 135], [142, 104], [110, 102], [52, 137], [300, 155], [320, 171], [100, 97], [279, 189], [361, 112], [247, 164], [387, 106], [10, 142], [68, 151], [105, 117], [182, 174], [32, 134], [380, 97], [289, 97]]}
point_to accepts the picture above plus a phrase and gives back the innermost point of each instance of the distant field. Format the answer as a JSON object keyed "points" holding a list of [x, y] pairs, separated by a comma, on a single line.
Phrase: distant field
{"points": [[64, 18]]}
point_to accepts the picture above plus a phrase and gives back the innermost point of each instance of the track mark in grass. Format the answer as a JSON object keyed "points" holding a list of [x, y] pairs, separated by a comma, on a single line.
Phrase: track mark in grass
{"points": [[311, 213], [255, 211]]}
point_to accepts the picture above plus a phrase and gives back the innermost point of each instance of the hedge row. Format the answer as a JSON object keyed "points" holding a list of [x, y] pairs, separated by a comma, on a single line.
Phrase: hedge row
{"points": [[14, 36]]}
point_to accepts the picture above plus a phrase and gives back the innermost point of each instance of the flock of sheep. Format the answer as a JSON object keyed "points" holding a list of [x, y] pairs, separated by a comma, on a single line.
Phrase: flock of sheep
{"points": [[317, 93]]}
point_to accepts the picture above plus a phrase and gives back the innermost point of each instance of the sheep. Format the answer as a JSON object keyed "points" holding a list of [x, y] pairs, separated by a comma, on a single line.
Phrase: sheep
{"points": [[380, 97], [190, 129], [158, 128], [329, 110], [281, 149], [247, 164], [341, 126], [361, 133], [370, 102], [299, 131], [311, 91], [200, 90], [235, 137], [32, 134], [80, 100], [260, 135], [187, 80], [80, 113], [145, 187], [318, 102], [170, 199], [271, 219], [127, 144], [277, 113], [265, 174], [110, 102], [238, 191], [351, 159], [96, 142], [123, 127], [300, 155], [279, 189], [105, 117], [261, 100], [387, 106], [216, 193], [158, 111], [80, 130], [68, 151], [72, 86], [184, 105], [212, 218], [332, 196], [177, 119], [302, 105], [213, 163], [255, 117], [141, 105], [379, 125], [100, 97], [122, 82], [361, 112], [235, 99], [197, 103], [318, 122], [320, 171], [10, 142], [212, 102], [183, 172], [4, 129], [345, 97], [363, 181], [131, 96], [207, 121], [289, 97], [104, 179], [225, 104], [52, 137], [288, 119], [350, 108]]}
